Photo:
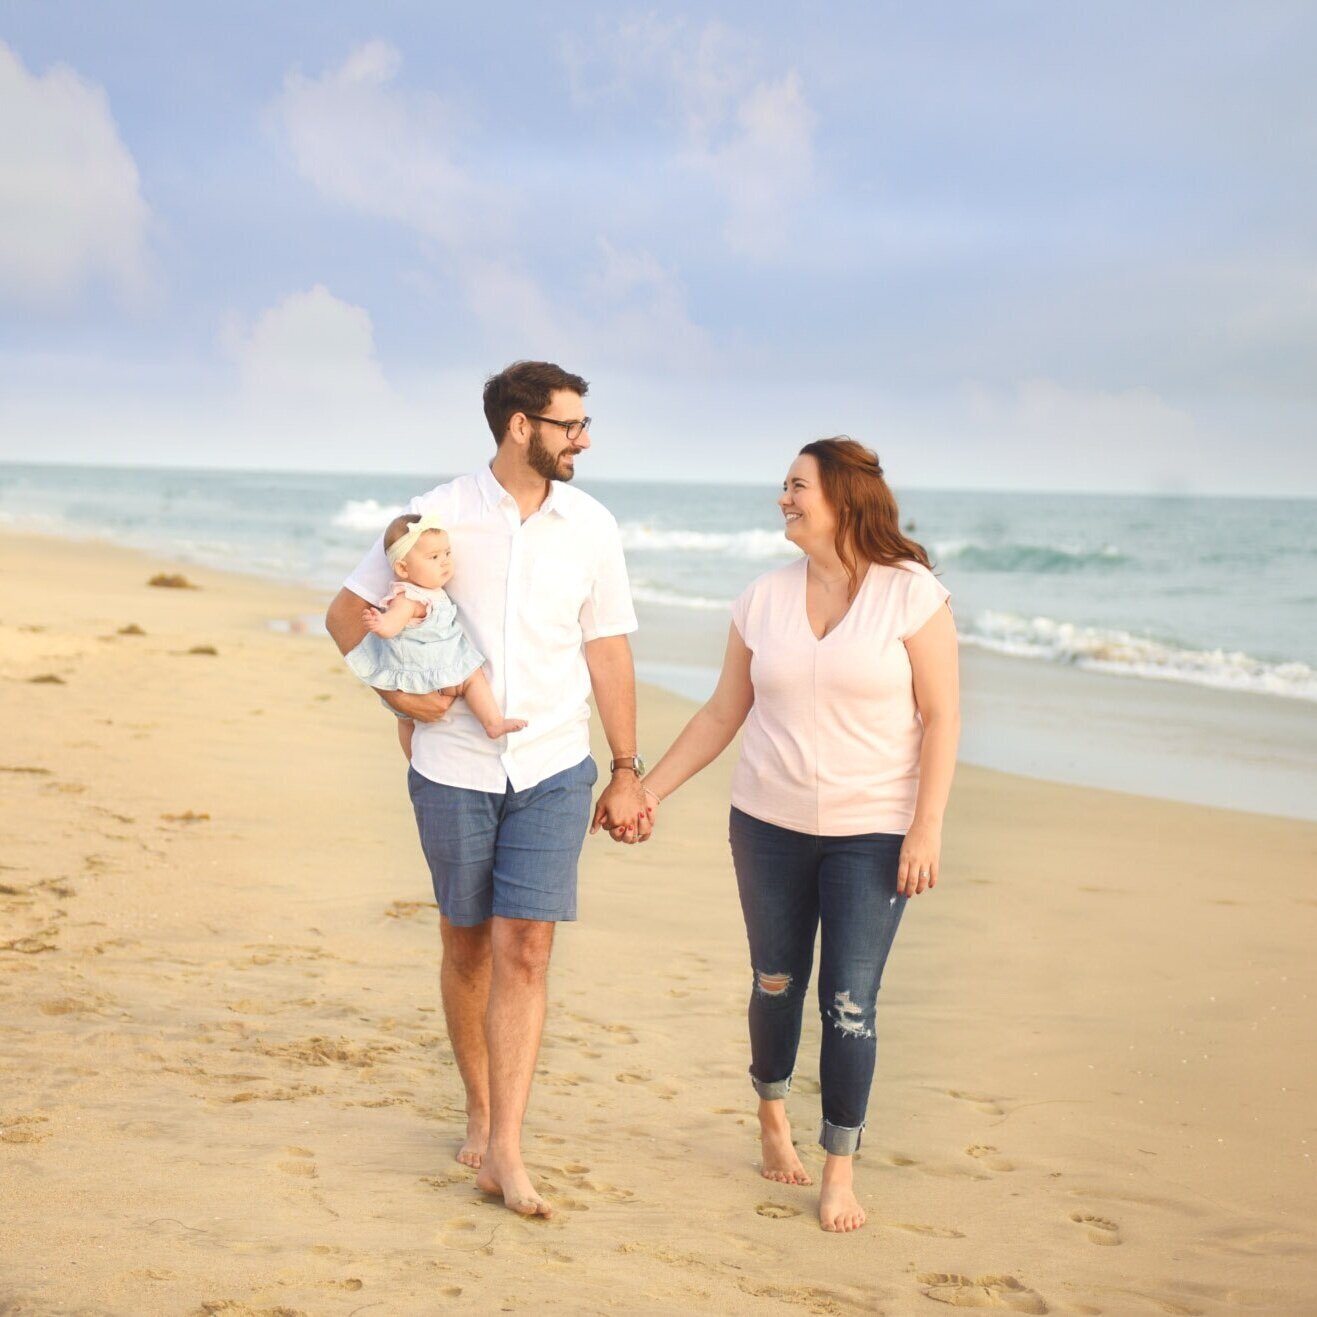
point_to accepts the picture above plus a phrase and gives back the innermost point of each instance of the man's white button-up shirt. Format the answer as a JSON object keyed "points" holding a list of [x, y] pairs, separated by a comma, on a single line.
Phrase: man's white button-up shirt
{"points": [[529, 594]]}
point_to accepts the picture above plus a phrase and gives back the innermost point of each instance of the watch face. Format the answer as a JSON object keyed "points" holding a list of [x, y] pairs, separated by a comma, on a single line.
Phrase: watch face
{"points": [[640, 765]]}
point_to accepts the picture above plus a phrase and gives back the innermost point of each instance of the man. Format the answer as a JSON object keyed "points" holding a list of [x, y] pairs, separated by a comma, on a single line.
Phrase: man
{"points": [[541, 584]]}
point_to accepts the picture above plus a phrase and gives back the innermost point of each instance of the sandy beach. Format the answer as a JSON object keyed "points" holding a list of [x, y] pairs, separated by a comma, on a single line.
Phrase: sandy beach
{"points": [[227, 1088]]}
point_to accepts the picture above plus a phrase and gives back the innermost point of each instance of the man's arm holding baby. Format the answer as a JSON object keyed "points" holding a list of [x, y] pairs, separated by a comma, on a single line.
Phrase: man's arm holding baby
{"points": [[346, 623]]}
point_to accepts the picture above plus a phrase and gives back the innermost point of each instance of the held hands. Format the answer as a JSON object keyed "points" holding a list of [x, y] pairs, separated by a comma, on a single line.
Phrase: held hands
{"points": [[921, 856], [624, 810]]}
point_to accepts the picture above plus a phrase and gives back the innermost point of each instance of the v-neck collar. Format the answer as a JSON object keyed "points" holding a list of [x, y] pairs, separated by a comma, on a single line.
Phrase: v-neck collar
{"points": [[804, 602]]}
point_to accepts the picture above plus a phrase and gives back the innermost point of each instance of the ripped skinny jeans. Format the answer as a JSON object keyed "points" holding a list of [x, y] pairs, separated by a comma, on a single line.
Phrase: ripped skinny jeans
{"points": [[790, 884]]}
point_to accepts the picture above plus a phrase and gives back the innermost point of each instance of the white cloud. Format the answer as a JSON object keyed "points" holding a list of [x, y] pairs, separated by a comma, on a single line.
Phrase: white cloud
{"points": [[308, 367], [762, 164], [368, 144], [644, 312], [751, 137], [71, 209], [636, 314]]}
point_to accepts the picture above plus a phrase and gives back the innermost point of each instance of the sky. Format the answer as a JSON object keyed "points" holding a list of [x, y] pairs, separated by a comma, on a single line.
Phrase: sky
{"points": [[1008, 245]]}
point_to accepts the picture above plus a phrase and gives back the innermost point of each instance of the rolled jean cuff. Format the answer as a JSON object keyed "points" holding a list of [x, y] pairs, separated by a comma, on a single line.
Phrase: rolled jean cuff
{"points": [[773, 1092], [840, 1140]]}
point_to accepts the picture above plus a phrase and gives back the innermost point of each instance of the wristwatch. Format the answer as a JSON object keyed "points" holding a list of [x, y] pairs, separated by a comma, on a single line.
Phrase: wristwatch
{"points": [[634, 762]]}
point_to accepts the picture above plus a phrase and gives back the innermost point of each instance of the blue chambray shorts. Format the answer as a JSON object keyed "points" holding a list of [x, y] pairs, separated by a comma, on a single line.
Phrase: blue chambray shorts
{"points": [[509, 853]]}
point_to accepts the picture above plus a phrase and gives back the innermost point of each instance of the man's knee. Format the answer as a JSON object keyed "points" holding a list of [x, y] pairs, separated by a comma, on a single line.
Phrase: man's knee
{"points": [[466, 950], [522, 947]]}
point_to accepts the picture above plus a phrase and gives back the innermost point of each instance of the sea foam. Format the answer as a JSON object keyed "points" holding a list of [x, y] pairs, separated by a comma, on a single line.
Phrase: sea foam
{"points": [[642, 537], [366, 514], [1121, 652]]}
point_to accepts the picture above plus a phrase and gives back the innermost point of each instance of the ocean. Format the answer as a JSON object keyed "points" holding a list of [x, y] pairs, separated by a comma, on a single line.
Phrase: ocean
{"points": [[1210, 592]]}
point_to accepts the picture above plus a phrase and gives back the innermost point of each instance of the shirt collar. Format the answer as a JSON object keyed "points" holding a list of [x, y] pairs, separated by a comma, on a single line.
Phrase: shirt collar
{"points": [[558, 499]]}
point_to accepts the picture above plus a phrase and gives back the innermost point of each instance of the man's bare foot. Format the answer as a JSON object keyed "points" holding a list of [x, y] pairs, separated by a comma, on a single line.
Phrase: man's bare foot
{"points": [[781, 1162], [510, 1179], [839, 1209], [501, 727], [472, 1152]]}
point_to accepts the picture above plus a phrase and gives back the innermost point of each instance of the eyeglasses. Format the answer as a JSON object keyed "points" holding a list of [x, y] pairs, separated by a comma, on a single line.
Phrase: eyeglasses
{"points": [[571, 429]]}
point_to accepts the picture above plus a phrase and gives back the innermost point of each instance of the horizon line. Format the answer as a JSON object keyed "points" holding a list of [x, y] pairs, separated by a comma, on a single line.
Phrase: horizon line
{"points": [[622, 480]]}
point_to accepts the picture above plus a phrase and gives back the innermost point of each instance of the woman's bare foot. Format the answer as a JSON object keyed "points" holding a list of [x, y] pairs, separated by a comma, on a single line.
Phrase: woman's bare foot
{"points": [[472, 1151], [502, 726], [510, 1179], [781, 1162], [839, 1209]]}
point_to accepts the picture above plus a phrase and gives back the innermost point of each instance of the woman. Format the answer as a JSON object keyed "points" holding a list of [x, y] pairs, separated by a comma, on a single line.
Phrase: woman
{"points": [[842, 666]]}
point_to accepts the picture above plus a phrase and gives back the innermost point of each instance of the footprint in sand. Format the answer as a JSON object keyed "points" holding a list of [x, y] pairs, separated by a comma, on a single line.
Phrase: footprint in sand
{"points": [[18, 1129], [447, 1179], [937, 1232], [30, 946], [408, 909], [462, 1235], [985, 1292], [1098, 1228], [777, 1211], [986, 1155], [990, 1106], [813, 1297], [300, 1162], [578, 1176]]}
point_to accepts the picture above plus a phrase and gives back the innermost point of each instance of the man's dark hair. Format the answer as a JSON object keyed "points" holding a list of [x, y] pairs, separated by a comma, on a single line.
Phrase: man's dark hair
{"points": [[525, 386]]}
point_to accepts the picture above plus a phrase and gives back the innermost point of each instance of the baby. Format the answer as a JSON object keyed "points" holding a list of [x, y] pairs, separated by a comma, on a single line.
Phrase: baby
{"points": [[414, 641]]}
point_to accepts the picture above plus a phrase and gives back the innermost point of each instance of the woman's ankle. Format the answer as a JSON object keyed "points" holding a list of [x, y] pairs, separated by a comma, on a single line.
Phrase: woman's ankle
{"points": [[838, 1170]]}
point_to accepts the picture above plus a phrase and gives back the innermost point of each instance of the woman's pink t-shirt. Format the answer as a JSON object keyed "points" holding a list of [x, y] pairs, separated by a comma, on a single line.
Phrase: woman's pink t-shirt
{"points": [[831, 745]]}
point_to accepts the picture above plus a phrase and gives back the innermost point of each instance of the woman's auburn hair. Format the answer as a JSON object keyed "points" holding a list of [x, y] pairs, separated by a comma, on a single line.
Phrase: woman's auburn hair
{"points": [[868, 520]]}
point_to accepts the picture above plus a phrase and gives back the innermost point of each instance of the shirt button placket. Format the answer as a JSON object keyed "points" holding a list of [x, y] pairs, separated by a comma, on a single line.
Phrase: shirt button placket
{"points": [[511, 632]]}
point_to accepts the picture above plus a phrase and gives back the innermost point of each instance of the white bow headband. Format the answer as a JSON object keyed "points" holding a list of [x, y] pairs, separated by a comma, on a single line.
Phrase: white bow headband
{"points": [[404, 544]]}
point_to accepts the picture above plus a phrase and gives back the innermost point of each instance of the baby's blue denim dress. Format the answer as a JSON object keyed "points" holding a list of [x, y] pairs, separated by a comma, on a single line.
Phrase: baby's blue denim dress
{"points": [[427, 656]]}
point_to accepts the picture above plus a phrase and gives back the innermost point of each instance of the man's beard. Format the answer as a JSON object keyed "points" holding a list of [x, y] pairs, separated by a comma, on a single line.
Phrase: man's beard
{"points": [[543, 462]]}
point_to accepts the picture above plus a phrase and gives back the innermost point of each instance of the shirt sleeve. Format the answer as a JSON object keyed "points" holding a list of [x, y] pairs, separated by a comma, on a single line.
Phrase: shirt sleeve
{"points": [[372, 578], [741, 613], [608, 610], [925, 594]]}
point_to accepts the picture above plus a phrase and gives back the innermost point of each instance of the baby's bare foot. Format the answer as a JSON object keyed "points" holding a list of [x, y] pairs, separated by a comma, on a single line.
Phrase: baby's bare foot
{"points": [[501, 727], [514, 1184], [781, 1162]]}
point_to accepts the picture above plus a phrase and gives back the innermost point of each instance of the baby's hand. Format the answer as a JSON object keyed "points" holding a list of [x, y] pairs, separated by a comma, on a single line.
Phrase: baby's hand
{"points": [[372, 618]]}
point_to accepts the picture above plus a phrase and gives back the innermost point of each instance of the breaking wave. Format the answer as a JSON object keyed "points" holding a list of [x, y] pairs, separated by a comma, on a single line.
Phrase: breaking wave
{"points": [[1114, 651], [1038, 558], [641, 537], [366, 514]]}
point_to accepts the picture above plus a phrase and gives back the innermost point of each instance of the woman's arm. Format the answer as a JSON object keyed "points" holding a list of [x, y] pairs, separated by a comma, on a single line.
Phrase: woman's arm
{"points": [[934, 663], [710, 731]]}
